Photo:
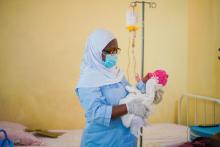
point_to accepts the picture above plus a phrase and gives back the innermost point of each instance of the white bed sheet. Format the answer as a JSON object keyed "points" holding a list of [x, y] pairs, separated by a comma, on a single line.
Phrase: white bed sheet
{"points": [[164, 135], [156, 135]]}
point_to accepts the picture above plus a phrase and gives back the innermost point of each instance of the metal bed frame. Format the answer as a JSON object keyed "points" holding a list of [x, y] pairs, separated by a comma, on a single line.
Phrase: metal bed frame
{"points": [[196, 98]]}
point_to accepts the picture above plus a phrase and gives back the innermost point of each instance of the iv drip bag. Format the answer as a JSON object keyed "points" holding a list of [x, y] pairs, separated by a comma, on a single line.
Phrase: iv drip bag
{"points": [[131, 19]]}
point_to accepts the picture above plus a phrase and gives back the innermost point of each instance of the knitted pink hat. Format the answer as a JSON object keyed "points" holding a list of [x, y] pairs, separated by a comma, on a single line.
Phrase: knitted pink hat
{"points": [[160, 74]]}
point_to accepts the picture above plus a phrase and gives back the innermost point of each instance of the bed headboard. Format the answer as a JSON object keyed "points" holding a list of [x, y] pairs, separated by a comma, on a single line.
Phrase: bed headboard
{"points": [[196, 98]]}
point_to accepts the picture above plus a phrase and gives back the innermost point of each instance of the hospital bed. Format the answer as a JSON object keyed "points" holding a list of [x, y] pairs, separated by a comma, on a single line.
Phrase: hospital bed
{"points": [[158, 135], [193, 110]]}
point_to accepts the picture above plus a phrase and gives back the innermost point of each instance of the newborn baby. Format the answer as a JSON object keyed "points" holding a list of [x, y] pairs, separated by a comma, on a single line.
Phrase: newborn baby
{"points": [[150, 92]]}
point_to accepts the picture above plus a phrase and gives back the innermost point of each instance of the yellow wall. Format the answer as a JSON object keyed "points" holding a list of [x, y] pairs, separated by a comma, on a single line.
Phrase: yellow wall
{"points": [[41, 44], [217, 42], [202, 57], [203, 65]]}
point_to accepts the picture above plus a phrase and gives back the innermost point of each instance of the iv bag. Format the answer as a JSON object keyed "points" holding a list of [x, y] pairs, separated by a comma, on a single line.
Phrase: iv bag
{"points": [[131, 19]]}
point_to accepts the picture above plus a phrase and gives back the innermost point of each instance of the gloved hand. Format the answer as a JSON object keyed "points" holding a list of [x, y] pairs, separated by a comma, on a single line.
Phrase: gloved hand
{"points": [[137, 108]]}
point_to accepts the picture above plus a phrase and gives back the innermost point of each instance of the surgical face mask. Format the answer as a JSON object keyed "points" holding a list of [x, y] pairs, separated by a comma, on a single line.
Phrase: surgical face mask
{"points": [[110, 60]]}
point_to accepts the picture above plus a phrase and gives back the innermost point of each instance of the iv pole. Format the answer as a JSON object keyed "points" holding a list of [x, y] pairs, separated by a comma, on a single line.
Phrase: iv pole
{"points": [[151, 5]]}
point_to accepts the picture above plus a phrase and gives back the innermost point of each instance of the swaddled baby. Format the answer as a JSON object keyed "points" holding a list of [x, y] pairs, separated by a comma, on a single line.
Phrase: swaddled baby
{"points": [[151, 92]]}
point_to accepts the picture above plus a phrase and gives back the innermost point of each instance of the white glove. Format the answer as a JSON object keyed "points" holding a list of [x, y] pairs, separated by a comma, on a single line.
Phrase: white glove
{"points": [[132, 89], [137, 108]]}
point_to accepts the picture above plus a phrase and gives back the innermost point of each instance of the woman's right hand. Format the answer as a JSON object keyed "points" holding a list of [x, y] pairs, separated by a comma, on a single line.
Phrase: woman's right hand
{"points": [[137, 108]]}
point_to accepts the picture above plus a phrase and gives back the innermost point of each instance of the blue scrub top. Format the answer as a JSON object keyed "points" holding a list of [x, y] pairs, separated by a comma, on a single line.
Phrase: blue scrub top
{"points": [[101, 130]]}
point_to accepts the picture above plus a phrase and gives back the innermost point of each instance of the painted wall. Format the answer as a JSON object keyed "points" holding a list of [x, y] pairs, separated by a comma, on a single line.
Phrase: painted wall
{"points": [[217, 42], [41, 44], [203, 65]]}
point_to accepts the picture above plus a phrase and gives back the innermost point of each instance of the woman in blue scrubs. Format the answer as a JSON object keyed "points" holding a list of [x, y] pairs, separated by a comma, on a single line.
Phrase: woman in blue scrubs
{"points": [[100, 87]]}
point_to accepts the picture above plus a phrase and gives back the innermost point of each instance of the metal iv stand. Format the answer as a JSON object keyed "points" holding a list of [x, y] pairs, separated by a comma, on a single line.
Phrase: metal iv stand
{"points": [[151, 5]]}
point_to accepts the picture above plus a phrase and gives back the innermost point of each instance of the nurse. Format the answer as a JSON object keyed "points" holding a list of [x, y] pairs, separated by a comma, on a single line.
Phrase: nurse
{"points": [[100, 87]]}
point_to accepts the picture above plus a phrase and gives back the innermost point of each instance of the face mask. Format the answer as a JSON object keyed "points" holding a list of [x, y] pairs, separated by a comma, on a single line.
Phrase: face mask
{"points": [[110, 61]]}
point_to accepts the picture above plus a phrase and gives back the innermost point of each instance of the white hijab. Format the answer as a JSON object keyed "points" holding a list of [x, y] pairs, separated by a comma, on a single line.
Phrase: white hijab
{"points": [[92, 72]]}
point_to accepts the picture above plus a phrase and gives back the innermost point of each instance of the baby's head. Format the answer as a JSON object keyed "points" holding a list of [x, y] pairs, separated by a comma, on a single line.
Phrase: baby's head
{"points": [[162, 77], [160, 74]]}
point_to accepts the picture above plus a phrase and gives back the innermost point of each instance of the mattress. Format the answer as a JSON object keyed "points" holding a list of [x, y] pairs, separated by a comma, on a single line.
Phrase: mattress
{"points": [[167, 135]]}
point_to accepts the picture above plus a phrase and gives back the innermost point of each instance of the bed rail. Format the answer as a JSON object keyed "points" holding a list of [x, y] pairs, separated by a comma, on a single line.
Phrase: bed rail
{"points": [[188, 96], [206, 99]]}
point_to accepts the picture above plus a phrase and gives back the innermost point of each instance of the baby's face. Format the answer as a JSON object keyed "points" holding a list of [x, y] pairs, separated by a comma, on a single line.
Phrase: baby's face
{"points": [[158, 96]]}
